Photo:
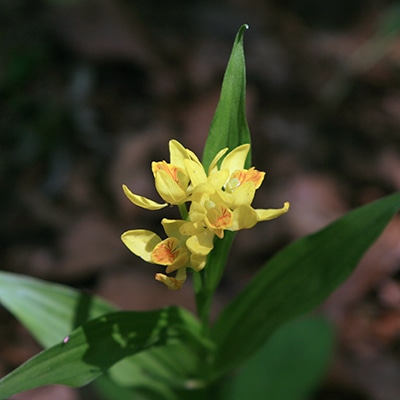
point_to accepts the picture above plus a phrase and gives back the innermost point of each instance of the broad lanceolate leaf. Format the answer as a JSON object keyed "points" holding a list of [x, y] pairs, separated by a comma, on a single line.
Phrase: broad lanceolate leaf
{"points": [[289, 366], [296, 280], [49, 311], [229, 125], [98, 344]]}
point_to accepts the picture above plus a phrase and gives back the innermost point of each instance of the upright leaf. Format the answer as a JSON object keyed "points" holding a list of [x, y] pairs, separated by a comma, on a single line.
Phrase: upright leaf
{"points": [[296, 280], [228, 129], [229, 126]]}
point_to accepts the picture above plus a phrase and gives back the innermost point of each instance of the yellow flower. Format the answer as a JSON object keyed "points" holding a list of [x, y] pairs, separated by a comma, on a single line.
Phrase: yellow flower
{"points": [[219, 200], [171, 180], [210, 216], [245, 217], [222, 200], [172, 252], [172, 283], [208, 212]]}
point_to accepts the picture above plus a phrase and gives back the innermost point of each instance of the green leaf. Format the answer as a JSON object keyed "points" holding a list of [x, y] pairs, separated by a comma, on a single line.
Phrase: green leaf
{"points": [[153, 390], [162, 370], [49, 311], [228, 129], [98, 344], [173, 365], [217, 258], [389, 23], [296, 280], [289, 366], [212, 274], [216, 262], [229, 125]]}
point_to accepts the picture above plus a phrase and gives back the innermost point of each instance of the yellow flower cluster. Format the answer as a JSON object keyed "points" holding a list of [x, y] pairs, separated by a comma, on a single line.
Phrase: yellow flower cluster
{"points": [[219, 200]]}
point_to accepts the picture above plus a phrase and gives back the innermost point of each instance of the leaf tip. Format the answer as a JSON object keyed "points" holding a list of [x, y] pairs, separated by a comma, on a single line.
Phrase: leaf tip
{"points": [[243, 28], [239, 36]]}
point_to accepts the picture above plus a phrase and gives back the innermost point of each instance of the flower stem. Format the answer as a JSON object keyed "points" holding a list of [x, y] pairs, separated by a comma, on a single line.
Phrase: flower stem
{"points": [[183, 210], [203, 301]]}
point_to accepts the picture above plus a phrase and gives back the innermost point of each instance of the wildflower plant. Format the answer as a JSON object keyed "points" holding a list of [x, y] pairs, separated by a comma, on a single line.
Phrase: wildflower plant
{"points": [[170, 353]]}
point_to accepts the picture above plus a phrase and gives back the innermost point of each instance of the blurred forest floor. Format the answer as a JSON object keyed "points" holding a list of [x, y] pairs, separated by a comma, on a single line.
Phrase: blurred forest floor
{"points": [[91, 91]]}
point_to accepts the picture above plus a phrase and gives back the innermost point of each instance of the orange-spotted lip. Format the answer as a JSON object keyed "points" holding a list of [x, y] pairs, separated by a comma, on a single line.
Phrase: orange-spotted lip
{"points": [[250, 175], [166, 252]]}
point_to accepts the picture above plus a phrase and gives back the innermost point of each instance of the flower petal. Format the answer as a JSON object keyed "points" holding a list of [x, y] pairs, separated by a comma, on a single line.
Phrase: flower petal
{"points": [[170, 253], [197, 212], [202, 243], [142, 201], [192, 228], [213, 166], [249, 175], [244, 217], [236, 158], [168, 188], [173, 283], [265, 215], [198, 262], [196, 172], [243, 194], [165, 252], [172, 227], [192, 156], [181, 261], [219, 217], [178, 154], [141, 242], [219, 178]]}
